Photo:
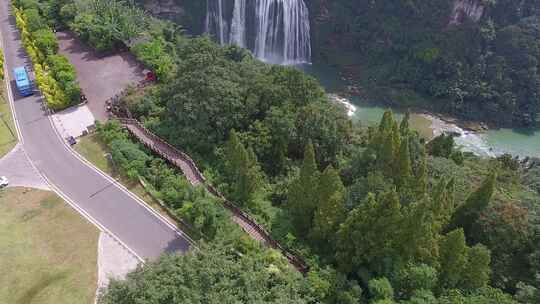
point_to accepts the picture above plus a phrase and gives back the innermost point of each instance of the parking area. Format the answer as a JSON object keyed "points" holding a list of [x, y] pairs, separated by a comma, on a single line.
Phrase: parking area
{"points": [[100, 77]]}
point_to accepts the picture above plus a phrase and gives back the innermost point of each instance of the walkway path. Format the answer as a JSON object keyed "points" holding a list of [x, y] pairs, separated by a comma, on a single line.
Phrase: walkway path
{"points": [[192, 173]]}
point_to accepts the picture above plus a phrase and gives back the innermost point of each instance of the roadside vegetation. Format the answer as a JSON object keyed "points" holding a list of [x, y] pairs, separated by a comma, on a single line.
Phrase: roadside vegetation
{"points": [[48, 251], [55, 75], [95, 151], [380, 216], [8, 137]]}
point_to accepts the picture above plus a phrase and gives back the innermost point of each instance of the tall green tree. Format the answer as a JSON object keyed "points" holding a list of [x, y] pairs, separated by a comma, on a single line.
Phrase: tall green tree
{"points": [[302, 198], [370, 236], [477, 269], [467, 214], [404, 125], [331, 210], [405, 170], [419, 233], [242, 171], [453, 260]]}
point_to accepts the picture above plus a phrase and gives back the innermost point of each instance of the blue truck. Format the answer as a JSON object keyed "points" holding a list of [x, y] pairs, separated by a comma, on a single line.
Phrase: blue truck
{"points": [[24, 85]]}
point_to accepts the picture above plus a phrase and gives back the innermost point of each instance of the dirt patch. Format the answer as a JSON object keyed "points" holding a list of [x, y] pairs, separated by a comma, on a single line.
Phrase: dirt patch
{"points": [[100, 77]]}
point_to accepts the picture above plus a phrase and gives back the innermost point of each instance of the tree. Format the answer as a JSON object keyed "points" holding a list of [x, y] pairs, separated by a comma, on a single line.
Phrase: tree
{"points": [[453, 260], [215, 274], [302, 198], [380, 289], [404, 125], [34, 20], [46, 41], [242, 171], [204, 213], [442, 145], [467, 214], [370, 236], [330, 210], [415, 277], [419, 233], [405, 170], [129, 157], [477, 269], [462, 266]]}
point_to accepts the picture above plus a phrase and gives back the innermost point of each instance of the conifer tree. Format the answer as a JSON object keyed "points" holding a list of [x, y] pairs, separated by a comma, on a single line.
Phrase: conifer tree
{"points": [[387, 122], [302, 197], [478, 270], [396, 142], [386, 155], [404, 125], [419, 233], [331, 210], [370, 235], [405, 170], [463, 266], [467, 214], [232, 156], [453, 260], [443, 202], [421, 178], [242, 171]]}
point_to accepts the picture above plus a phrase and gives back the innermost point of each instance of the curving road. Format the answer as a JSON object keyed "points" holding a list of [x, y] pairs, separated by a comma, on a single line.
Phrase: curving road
{"points": [[95, 195]]}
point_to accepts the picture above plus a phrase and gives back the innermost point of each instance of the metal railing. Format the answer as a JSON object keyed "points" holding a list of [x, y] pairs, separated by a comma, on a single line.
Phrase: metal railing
{"points": [[296, 261]]}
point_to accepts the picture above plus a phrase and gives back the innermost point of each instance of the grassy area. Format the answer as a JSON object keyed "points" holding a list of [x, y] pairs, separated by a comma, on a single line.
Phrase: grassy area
{"points": [[8, 135], [48, 252], [95, 152]]}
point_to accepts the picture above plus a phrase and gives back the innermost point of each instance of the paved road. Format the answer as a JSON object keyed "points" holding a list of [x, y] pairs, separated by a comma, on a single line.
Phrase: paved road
{"points": [[116, 210]]}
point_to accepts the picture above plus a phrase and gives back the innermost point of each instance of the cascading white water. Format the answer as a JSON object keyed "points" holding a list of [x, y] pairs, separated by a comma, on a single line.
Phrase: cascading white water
{"points": [[276, 31], [238, 25]]}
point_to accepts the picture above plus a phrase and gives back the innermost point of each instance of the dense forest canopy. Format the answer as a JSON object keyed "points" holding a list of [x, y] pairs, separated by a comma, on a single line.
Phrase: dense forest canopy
{"points": [[477, 59], [380, 215]]}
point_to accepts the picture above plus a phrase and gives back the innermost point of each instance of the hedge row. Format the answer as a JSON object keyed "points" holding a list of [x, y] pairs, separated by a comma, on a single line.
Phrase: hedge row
{"points": [[1, 65], [55, 76]]}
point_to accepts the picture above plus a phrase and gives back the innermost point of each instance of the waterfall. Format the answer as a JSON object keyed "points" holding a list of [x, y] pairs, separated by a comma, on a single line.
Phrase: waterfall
{"points": [[276, 31], [238, 26]]}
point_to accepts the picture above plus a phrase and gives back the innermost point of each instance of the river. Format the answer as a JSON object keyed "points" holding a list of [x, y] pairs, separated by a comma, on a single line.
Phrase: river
{"points": [[489, 143]]}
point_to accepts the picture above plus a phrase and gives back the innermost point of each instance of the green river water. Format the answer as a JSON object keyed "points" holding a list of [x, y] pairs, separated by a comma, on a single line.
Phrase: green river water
{"points": [[490, 143]]}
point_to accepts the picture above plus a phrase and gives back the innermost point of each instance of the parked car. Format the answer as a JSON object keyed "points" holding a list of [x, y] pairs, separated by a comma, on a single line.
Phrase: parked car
{"points": [[4, 182]]}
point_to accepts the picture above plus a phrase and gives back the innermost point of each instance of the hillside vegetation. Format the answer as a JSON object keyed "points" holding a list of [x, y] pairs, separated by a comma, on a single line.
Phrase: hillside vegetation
{"points": [[476, 59], [380, 216]]}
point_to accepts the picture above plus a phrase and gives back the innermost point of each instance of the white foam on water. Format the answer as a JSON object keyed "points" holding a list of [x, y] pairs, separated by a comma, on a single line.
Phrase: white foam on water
{"points": [[349, 107], [469, 141]]}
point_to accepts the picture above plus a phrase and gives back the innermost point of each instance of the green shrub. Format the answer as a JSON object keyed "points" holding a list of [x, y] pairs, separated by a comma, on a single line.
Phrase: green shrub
{"points": [[72, 91], [1, 64], [155, 55], [27, 4], [46, 41], [34, 21], [204, 213]]}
